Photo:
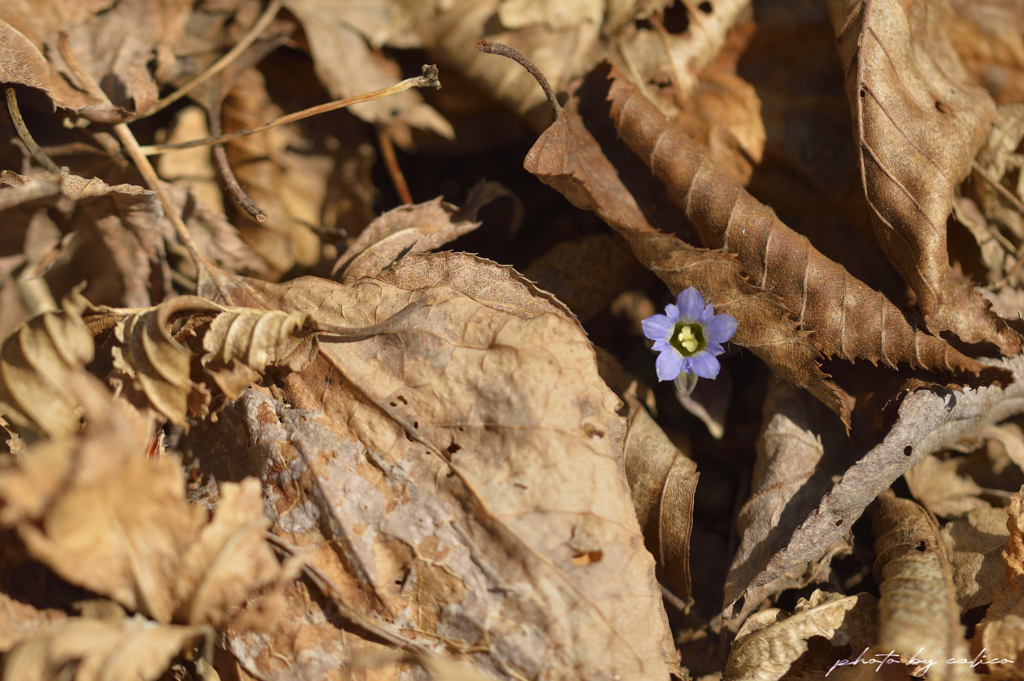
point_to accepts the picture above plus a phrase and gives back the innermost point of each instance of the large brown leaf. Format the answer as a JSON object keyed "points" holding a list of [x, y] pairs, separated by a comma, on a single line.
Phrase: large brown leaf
{"points": [[918, 121], [847, 319], [918, 615], [567, 157]]}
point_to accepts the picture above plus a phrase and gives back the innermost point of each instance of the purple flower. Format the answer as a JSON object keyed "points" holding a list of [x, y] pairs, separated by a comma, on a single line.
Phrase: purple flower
{"points": [[689, 336]]}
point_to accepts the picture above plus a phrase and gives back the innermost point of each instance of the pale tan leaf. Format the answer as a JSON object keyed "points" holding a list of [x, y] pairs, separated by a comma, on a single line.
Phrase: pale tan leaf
{"points": [[941, 489], [158, 365], [976, 541], [122, 536], [97, 650], [918, 614], [662, 480], [20, 620], [771, 641], [347, 67], [34, 364], [241, 343], [1002, 629], [228, 558]]}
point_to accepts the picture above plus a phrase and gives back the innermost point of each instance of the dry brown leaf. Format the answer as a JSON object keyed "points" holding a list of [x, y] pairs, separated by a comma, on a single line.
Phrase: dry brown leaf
{"points": [[919, 119], [344, 39], [589, 274], [23, 62], [975, 542], [228, 558], [414, 229], [20, 620], [791, 475], [1001, 632], [847, 319], [97, 650], [497, 459], [122, 236], [939, 487], [986, 39], [567, 157], [929, 420], [918, 615], [122, 536], [771, 641], [34, 364], [662, 480], [150, 360]]}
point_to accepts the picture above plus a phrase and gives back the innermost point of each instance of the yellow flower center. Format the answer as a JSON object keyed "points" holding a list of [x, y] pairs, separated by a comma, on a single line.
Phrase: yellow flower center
{"points": [[687, 339]]}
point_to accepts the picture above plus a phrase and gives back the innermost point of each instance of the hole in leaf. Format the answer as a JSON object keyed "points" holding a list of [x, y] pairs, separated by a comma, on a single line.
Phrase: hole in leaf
{"points": [[839, 522], [921, 546], [908, 450], [943, 107], [452, 448], [675, 20], [705, 7], [863, 93]]}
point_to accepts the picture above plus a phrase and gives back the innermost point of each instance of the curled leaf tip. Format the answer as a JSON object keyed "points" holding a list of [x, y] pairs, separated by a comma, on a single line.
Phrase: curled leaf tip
{"points": [[689, 337]]}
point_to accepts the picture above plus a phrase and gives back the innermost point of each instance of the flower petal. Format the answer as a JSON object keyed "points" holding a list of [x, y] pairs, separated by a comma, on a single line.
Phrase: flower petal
{"points": [[658, 327], [663, 346], [691, 304], [720, 329], [707, 314], [672, 312], [705, 365], [669, 365]]}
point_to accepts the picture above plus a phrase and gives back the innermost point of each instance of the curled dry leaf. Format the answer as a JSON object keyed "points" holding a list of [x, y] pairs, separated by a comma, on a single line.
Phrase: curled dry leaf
{"points": [[150, 360], [847, 318], [34, 364], [472, 446], [975, 542], [98, 650], [791, 475], [663, 481], [567, 157], [414, 229], [929, 420], [918, 121], [1001, 632], [770, 642], [918, 614]]}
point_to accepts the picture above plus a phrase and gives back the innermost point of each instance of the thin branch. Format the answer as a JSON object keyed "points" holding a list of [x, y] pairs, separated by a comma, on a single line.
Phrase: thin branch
{"points": [[131, 146], [220, 157], [428, 79], [250, 37], [387, 150], [26, 137], [522, 60]]}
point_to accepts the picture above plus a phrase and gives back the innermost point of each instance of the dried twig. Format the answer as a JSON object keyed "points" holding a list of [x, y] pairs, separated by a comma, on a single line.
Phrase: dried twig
{"points": [[428, 79], [387, 150], [26, 137], [220, 157], [268, 15]]}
